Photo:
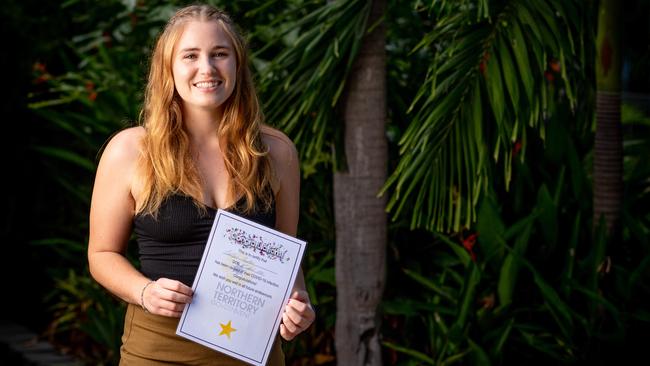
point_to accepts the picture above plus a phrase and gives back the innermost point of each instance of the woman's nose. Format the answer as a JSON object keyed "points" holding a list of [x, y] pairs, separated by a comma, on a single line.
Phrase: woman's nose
{"points": [[206, 65]]}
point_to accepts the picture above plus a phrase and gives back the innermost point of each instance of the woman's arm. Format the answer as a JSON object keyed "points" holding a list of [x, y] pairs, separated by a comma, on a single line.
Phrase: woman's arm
{"points": [[299, 314], [111, 216]]}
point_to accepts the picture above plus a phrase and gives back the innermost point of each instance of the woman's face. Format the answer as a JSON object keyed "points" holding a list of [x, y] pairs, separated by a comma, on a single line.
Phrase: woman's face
{"points": [[204, 65]]}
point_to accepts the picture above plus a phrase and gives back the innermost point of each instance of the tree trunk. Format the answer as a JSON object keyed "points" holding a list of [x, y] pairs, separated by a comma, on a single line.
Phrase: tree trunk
{"points": [[360, 215], [608, 147]]}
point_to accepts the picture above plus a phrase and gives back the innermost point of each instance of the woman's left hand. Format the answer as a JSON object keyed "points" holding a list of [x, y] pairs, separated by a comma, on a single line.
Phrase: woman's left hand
{"points": [[298, 315]]}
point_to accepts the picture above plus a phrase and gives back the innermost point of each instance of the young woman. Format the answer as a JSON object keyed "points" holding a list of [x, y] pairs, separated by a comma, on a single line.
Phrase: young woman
{"points": [[201, 146]]}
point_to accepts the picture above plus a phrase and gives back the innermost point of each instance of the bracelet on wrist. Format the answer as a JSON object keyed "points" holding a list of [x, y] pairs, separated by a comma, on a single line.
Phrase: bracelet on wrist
{"points": [[142, 296]]}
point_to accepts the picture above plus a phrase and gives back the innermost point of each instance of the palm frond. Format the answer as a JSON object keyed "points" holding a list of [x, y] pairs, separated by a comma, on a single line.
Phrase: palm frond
{"points": [[498, 70], [302, 85]]}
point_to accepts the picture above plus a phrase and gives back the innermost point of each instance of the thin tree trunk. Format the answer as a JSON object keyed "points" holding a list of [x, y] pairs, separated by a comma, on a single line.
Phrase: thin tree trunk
{"points": [[360, 215], [608, 147]]}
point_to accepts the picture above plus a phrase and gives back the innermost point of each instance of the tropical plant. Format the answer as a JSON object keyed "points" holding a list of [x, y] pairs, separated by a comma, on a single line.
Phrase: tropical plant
{"points": [[96, 96], [496, 67], [497, 71], [82, 310], [470, 86], [527, 286], [302, 83], [339, 44]]}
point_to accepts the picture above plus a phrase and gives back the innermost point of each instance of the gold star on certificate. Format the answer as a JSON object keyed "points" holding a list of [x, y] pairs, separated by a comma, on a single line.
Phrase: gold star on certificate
{"points": [[227, 329]]}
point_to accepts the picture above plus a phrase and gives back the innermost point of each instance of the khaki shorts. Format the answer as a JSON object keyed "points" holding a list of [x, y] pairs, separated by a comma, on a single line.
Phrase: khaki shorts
{"points": [[150, 339]]}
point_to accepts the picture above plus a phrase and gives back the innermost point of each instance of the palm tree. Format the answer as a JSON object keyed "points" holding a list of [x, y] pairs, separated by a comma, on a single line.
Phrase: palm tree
{"points": [[608, 147], [329, 59], [360, 214], [496, 71]]}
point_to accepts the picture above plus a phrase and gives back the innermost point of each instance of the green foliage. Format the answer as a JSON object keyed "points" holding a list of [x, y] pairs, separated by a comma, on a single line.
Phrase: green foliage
{"points": [[496, 68], [82, 309], [302, 84], [470, 87], [98, 93], [544, 288]]}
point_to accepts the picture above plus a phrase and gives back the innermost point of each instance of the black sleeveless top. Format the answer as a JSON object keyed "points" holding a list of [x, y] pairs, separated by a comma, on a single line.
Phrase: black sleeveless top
{"points": [[171, 244]]}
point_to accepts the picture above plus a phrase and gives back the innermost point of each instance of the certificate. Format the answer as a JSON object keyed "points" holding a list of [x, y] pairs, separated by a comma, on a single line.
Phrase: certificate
{"points": [[244, 280]]}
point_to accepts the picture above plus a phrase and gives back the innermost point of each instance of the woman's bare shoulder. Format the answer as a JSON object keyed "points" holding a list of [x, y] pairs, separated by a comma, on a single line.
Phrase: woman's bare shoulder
{"points": [[124, 146], [280, 146], [284, 159], [119, 162]]}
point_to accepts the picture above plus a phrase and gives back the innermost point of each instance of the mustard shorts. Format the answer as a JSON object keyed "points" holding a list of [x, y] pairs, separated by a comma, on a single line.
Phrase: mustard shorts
{"points": [[150, 339]]}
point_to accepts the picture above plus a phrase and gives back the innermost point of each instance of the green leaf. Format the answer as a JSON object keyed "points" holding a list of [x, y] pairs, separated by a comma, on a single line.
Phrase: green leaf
{"points": [[469, 289], [559, 310], [66, 155], [505, 334], [481, 357], [546, 18], [519, 49], [410, 307], [430, 285], [495, 88], [510, 74], [510, 269], [458, 250], [410, 352], [567, 274], [491, 230], [548, 219]]}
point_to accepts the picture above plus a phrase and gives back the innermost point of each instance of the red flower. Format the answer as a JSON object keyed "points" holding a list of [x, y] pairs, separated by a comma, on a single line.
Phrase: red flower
{"points": [[40, 71], [42, 79], [468, 244], [40, 67], [487, 302], [549, 76], [554, 65], [516, 148], [483, 65], [92, 94]]}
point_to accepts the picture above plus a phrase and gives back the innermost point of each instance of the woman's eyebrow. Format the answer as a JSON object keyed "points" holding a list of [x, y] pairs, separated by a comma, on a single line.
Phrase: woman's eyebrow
{"points": [[194, 49]]}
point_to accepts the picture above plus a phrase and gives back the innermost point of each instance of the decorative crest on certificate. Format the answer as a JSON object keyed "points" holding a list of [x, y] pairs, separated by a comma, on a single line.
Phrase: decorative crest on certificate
{"points": [[244, 280]]}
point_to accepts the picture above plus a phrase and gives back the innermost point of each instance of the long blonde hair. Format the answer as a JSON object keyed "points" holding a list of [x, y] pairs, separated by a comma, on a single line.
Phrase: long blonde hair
{"points": [[167, 166]]}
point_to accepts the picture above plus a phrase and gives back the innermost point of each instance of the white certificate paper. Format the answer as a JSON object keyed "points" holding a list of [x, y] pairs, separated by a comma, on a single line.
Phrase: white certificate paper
{"points": [[243, 283]]}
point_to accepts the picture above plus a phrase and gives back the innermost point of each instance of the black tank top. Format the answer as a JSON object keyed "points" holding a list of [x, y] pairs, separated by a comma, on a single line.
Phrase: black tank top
{"points": [[171, 245]]}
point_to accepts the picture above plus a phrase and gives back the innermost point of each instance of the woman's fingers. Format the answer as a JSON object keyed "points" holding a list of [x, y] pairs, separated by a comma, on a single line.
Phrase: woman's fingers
{"points": [[298, 313], [300, 295], [285, 333], [289, 324], [298, 316], [167, 297], [174, 286]]}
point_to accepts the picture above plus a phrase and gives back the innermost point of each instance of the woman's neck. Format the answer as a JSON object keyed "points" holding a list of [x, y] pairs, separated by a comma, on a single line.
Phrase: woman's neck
{"points": [[201, 126]]}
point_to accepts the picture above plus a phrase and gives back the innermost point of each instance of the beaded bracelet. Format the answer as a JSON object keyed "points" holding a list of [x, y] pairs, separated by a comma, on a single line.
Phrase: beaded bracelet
{"points": [[142, 296]]}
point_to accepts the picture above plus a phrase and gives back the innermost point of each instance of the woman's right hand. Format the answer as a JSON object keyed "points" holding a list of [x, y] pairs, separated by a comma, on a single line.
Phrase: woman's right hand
{"points": [[166, 297]]}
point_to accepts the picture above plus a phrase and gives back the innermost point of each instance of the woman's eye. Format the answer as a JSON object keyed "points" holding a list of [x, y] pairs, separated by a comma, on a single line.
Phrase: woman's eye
{"points": [[220, 54], [190, 56]]}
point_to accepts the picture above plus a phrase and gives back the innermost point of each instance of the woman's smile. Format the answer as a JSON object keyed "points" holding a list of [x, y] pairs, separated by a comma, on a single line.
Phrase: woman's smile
{"points": [[208, 85]]}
